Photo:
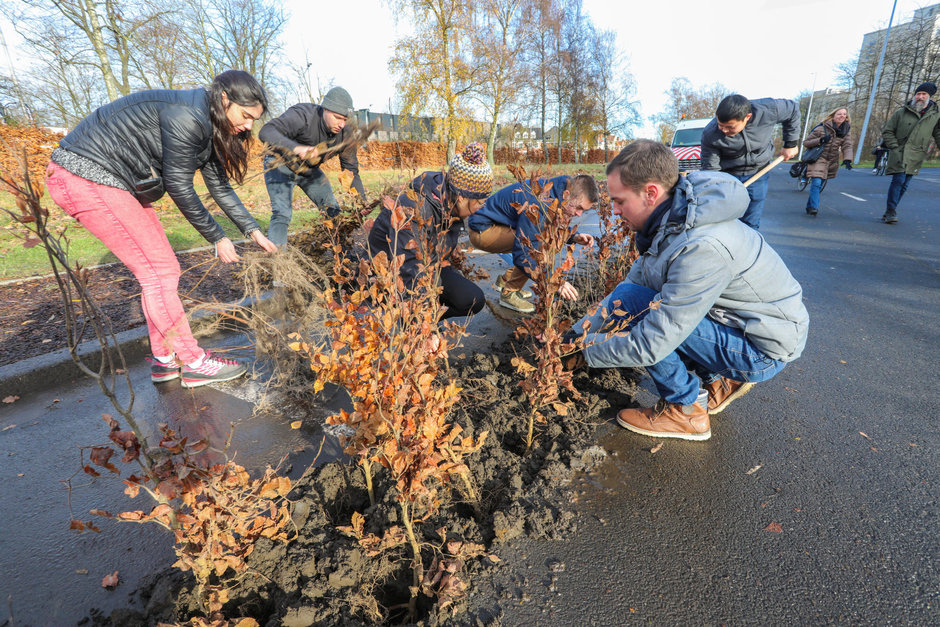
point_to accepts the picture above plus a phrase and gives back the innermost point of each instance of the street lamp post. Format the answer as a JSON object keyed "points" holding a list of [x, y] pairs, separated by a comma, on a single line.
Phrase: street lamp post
{"points": [[874, 86], [809, 110]]}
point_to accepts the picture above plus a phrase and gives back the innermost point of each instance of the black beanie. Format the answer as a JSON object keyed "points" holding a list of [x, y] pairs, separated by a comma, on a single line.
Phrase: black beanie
{"points": [[930, 88]]}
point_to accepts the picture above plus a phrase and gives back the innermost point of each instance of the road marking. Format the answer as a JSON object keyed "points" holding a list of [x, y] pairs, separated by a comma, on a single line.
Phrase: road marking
{"points": [[853, 197]]}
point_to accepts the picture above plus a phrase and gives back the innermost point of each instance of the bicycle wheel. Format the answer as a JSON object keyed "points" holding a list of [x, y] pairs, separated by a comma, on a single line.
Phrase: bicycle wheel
{"points": [[823, 186], [802, 183]]}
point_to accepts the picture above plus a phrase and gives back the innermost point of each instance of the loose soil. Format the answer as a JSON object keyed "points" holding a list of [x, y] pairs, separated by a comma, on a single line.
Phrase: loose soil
{"points": [[324, 577], [31, 310]]}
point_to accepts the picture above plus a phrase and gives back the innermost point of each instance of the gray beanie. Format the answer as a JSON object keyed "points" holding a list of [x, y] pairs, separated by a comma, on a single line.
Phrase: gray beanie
{"points": [[338, 101]]}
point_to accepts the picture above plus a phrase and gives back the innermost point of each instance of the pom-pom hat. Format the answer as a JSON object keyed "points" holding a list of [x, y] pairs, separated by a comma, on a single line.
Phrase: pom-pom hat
{"points": [[470, 175]]}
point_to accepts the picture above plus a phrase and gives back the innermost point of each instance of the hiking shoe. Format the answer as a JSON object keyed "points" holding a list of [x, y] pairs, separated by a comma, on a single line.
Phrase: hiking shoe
{"points": [[514, 300], [160, 372], [812, 211], [668, 420], [500, 284], [211, 370], [890, 217], [722, 391]]}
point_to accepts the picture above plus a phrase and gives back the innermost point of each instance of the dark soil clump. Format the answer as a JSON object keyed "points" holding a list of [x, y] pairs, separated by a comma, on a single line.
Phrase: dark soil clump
{"points": [[325, 577]]}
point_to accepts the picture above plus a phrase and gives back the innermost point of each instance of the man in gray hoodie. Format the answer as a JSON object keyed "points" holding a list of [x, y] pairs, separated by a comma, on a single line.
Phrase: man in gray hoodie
{"points": [[740, 141], [707, 295]]}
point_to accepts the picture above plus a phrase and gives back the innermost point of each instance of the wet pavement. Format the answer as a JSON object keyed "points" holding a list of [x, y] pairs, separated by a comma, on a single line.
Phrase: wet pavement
{"points": [[817, 500], [839, 450], [57, 572]]}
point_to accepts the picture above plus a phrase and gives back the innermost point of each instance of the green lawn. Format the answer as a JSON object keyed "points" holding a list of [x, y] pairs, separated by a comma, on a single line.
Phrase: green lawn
{"points": [[17, 261]]}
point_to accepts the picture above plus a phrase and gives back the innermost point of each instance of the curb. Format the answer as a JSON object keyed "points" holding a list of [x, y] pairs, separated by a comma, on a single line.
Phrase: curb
{"points": [[53, 369]]}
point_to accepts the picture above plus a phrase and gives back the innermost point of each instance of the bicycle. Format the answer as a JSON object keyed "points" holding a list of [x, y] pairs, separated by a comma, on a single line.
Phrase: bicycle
{"points": [[804, 181], [880, 165]]}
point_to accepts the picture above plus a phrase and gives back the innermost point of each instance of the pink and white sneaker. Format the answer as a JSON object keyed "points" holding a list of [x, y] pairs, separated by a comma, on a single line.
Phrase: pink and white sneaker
{"points": [[163, 371], [211, 370]]}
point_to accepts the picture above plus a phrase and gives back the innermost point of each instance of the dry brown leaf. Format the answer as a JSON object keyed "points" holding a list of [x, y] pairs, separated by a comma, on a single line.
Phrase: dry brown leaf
{"points": [[774, 527], [656, 448], [11, 399], [110, 581]]}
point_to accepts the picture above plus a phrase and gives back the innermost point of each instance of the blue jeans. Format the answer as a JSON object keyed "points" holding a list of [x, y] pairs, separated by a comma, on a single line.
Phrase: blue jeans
{"points": [[815, 187], [711, 351], [899, 183], [281, 191], [757, 191]]}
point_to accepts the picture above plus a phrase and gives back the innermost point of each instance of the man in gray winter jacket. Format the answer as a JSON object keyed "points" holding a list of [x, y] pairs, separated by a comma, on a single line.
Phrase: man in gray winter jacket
{"points": [[707, 295], [739, 141], [907, 135]]}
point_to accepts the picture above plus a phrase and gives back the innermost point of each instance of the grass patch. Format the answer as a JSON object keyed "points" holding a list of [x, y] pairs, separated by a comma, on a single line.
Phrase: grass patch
{"points": [[18, 262]]}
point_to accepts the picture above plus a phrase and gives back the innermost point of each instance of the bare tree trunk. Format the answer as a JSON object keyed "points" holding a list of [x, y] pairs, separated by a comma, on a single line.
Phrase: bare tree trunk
{"points": [[97, 43]]}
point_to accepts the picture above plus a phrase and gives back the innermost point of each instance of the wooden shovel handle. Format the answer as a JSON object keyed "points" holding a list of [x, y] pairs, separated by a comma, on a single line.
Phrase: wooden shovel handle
{"points": [[767, 168]]}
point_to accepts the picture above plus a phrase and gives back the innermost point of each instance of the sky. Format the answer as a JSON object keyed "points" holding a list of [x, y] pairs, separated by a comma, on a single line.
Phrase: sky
{"points": [[760, 48], [763, 48]]}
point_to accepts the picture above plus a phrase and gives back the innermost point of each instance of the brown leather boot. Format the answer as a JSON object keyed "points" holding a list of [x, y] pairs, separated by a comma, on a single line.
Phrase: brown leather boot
{"points": [[722, 391], [668, 420]]}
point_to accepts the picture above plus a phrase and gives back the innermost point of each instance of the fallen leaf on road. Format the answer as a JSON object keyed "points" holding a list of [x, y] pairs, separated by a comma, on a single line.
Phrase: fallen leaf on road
{"points": [[296, 424], [81, 571], [110, 581], [656, 448], [774, 527], [754, 469], [865, 435], [11, 399], [842, 361], [7, 427]]}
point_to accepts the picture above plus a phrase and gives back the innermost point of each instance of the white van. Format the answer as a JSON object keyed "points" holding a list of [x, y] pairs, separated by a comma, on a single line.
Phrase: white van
{"points": [[687, 143]]}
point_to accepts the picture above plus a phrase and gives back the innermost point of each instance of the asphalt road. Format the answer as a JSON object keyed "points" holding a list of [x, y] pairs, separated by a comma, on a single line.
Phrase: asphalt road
{"points": [[672, 537], [839, 450]]}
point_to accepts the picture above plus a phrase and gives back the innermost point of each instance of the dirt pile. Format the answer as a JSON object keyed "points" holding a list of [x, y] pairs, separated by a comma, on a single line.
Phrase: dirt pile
{"points": [[325, 577]]}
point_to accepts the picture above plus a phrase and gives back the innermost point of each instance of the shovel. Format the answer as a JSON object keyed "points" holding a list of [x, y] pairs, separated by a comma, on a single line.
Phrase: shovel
{"points": [[767, 168]]}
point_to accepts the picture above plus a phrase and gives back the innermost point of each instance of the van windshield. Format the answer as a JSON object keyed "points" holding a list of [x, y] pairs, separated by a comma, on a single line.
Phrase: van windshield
{"points": [[688, 137]]}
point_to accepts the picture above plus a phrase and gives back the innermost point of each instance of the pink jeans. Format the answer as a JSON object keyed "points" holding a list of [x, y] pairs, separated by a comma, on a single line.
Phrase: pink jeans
{"points": [[134, 234]]}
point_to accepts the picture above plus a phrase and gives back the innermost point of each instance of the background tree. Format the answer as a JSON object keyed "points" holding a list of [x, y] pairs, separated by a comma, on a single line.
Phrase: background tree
{"points": [[580, 77], [436, 76], [687, 102], [497, 56], [615, 90], [539, 58], [241, 34]]}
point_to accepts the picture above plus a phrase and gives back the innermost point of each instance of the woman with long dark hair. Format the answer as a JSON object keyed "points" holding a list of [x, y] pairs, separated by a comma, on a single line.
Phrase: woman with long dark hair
{"points": [[126, 155]]}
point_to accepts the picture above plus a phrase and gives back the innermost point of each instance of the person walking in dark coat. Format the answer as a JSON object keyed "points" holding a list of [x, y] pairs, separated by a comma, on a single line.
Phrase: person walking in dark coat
{"points": [[907, 135], [444, 201], [833, 134], [126, 155], [739, 141], [307, 130]]}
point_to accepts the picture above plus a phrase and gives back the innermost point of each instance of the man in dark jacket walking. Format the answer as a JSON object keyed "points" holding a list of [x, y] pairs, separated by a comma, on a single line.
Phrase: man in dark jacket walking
{"points": [[307, 131], [739, 141], [907, 136]]}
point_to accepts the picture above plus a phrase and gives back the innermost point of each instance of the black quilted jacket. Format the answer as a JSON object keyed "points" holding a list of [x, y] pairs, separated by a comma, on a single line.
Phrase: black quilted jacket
{"points": [[164, 134]]}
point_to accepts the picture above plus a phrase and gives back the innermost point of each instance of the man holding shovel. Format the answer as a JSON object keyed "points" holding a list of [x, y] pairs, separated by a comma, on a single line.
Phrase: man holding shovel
{"points": [[710, 308], [305, 134], [739, 141]]}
